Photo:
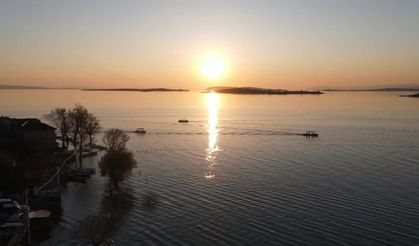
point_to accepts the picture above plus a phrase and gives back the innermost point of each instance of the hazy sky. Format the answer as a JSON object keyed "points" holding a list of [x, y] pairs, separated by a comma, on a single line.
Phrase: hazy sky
{"points": [[279, 44]]}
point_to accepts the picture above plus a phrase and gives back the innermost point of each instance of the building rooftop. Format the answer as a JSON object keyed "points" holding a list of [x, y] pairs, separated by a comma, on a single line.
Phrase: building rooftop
{"points": [[35, 126], [28, 124]]}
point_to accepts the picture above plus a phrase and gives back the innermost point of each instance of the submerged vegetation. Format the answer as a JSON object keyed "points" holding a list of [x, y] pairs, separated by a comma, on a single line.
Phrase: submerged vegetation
{"points": [[95, 229], [118, 161]]}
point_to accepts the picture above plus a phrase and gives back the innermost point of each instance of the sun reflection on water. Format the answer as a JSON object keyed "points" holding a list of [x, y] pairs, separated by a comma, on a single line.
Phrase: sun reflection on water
{"points": [[212, 104]]}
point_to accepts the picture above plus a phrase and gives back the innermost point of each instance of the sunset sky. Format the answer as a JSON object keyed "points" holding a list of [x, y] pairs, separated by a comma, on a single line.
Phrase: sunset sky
{"points": [[277, 44]]}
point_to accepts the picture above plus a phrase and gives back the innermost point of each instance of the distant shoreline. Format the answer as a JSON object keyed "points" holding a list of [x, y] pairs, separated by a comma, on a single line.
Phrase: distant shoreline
{"points": [[412, 95], [373, 90], [260, 91], [21, 87], [24, 87], [139, 90]]}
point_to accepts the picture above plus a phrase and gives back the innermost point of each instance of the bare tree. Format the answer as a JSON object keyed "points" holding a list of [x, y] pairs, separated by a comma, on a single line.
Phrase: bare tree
{"points": [[93, 128], [84, 126], [115, 140], [78, 118], [119, 161], [59, 118]]}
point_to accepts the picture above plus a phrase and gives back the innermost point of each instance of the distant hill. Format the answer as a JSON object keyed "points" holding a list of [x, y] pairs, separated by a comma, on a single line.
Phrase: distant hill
{"points": [[379, 89], [258, 91], [23, 87], [413, 95], [139, 90], [214, 88], [401, 87]]}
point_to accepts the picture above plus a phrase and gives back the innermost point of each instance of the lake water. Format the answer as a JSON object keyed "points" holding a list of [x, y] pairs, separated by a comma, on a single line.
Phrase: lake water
{"points": [[235, 175]]}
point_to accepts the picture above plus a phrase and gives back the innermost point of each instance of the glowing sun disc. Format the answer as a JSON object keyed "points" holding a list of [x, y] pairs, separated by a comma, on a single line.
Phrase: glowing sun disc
{"points": [[213, 68]]}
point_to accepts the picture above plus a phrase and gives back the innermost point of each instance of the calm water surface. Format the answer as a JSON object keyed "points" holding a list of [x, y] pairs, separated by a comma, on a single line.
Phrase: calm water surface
{"points": [[236, 176]]}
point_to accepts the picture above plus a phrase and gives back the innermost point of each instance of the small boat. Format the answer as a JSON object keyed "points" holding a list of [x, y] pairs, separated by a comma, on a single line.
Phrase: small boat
{"points": [[140, 131], [79, 174], [39, 214], [183, 121], [84, 172], [89, 154], [310, 134]]}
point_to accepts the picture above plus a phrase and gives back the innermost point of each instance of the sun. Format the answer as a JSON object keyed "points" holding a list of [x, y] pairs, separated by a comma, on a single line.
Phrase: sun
{"points": [[213, 68]]}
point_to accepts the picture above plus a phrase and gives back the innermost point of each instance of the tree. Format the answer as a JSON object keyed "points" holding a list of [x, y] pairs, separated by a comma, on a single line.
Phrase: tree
{"points": [[117, 165], [115, 140], [95, 229], [119, 161], [60, 119], [75, 124], [78, 120], [93, 128], [83, 126]]}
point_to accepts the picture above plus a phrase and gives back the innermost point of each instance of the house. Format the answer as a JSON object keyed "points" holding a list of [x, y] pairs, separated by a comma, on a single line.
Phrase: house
{"points": [[29, 133], [40, 168], [28, 152]]}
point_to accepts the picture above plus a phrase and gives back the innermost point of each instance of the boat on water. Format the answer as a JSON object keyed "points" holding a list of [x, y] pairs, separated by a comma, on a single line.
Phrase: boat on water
{"points": [[86, 172], [310, 134], [140, 131], [89, 154], [183, 121], [79, 174]]}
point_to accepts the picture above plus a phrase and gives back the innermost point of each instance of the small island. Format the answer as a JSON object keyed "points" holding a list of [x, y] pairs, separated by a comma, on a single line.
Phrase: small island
{"points": [[20, 87], [260, 91], [139, 90], [412, 95]]}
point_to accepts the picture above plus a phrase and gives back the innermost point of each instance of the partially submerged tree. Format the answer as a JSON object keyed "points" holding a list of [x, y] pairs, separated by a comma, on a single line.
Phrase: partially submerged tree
{"points": [[78, 120], [84, 126], [115, 140], [93, 128], [119, 161], [60, 119]]}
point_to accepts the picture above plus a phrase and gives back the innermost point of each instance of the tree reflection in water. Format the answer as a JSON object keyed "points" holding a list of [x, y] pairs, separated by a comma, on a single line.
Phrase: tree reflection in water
{"points": [[99, 229]]}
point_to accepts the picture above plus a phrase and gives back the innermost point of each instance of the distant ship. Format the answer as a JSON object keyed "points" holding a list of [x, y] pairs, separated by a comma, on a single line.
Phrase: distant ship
{"points": [[140, 131], [310, 134], [183, 121]]}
